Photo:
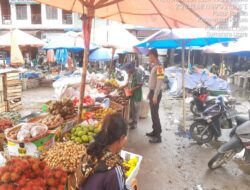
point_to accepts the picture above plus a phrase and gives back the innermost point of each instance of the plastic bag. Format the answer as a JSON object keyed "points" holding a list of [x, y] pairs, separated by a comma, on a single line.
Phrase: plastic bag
{"points": [[26, 127], [105, 103], [35, 131], [23, 135]]}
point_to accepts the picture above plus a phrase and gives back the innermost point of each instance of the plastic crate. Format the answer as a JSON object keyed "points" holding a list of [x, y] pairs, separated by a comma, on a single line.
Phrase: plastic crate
{"points": [[135, 172]]}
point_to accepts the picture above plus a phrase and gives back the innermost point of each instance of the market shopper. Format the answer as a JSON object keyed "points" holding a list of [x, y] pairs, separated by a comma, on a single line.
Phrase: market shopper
{"points": [[135, 83], [156, 79], [102, 166]]}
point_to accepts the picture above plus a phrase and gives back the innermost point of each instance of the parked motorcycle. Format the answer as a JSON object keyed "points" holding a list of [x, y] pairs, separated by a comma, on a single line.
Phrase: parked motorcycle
{"points": [[209, 124], [201, 100], [240, 139]]}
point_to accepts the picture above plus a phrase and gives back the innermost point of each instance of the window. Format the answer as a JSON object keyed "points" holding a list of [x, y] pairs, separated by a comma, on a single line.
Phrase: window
{"points": [[67, 17], [51, 13], [5, 9], [21, 12], [36, 17]]}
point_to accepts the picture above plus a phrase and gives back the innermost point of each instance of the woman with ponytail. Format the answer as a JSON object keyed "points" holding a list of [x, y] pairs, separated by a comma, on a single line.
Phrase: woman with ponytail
{"points": [[102, 167]]}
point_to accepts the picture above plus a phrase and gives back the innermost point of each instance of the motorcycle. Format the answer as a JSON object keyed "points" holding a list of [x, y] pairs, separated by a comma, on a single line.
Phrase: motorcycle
{"points": [[209, 124], [201, 100], [240, 139]]}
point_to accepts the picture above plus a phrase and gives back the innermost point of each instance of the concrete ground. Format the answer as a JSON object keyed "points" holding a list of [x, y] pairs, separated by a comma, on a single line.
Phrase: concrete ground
{"points": [[175, 164]]}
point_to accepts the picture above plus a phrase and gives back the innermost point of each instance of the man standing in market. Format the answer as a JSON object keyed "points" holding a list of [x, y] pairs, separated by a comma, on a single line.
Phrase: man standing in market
{"points": [[135, 83], [156, 80]]}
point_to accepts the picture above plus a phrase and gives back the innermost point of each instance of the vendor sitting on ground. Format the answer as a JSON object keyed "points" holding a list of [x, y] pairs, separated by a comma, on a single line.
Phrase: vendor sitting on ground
{"points": [[102, 167]]}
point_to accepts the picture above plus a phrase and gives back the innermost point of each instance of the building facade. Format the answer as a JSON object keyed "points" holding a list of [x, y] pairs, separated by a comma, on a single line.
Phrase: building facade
{"points": [[38, 19]]}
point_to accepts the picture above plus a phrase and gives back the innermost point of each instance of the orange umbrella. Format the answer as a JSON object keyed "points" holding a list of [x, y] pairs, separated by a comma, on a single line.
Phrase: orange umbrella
{"points": [[149, 13], [152, 13]]}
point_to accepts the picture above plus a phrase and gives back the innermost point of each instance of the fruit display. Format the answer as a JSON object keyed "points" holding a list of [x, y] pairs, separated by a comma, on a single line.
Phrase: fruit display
{"points": [[106, 89], [119, 100], [63, 107], [13, 116], [52, 121], [130, 165], [26, 132], [65, 155], [116, 107], [99, 114], [88, 101], [28, 173], [112, 82], [5, 123], [2, 140], [83, 134]]}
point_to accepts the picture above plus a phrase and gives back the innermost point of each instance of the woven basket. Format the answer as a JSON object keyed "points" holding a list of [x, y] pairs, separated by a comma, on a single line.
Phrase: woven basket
{"points": [[17, 127]]}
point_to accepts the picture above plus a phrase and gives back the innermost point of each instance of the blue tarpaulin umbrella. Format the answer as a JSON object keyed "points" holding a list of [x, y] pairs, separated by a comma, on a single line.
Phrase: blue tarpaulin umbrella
{"points": [[176, 38], [102, 54]]}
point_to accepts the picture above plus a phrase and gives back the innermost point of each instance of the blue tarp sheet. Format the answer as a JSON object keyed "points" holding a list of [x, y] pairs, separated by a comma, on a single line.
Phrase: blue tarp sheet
{"points": [[30, 75], [174, 75]]}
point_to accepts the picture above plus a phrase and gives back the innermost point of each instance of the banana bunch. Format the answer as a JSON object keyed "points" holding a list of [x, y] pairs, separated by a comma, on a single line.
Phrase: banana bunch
{"points": [[130, 165], [113, 82]]}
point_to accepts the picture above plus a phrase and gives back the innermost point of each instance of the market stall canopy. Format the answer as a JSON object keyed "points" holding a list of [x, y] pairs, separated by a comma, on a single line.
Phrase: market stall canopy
{"points": [[115, 37], [219, 48], [71, 41], [22, 39], [16, 57], [241, 45], [152, 13], [149, 13], [102, 54], [175, 38]]}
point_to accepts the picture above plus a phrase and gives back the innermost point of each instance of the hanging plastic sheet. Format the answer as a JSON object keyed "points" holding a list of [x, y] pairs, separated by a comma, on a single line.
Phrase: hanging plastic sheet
{"points": [[61, 56]]}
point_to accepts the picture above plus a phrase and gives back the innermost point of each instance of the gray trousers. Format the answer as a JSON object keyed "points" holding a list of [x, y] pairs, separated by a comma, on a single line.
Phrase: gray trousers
{"points": [[135, 111]]}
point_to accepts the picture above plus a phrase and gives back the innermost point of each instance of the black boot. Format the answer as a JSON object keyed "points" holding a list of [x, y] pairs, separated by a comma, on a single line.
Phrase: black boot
{"points": [[155, 140], [151, 134]]}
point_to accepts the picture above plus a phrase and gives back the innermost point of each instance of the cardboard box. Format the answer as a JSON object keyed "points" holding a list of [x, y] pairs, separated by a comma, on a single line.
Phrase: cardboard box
{"points": [[34, 148]]}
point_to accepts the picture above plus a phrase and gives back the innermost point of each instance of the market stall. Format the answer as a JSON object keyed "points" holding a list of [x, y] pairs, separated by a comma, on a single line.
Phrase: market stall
{"points": [[53, 140]]}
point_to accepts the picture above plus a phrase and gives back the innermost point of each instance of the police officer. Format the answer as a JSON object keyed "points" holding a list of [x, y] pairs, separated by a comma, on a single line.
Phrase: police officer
{"points": [[155, 85]]}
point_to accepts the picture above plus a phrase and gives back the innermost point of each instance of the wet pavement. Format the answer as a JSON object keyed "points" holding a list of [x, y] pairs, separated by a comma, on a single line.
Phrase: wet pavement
{"points": [[177, 163]]}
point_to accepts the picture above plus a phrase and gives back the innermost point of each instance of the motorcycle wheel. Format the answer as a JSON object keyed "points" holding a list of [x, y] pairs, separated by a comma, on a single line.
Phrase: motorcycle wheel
{"points": [[219, 159], [201, 132], [193, 109]]}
